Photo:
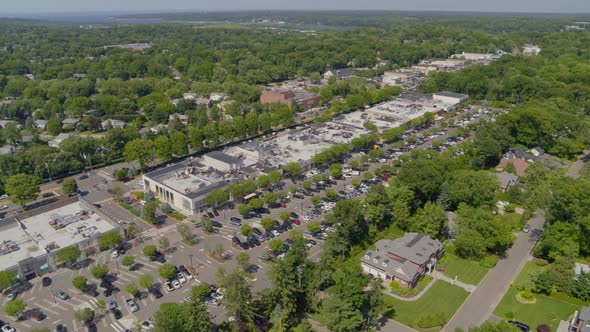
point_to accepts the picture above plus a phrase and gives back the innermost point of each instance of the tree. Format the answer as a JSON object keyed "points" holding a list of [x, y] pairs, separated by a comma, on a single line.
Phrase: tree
{"points": [[149, 250], [178, 143], [244, 210], [185, 317], [132, 289], [22, 188], [336, 170], [331, 194], [110, 239], [164, 243], [356, 182], [238, 298], [243, 260], [84, 314], [267, 223], [7, 279], [185, 231], [149, 211], [163, 148], [146, 281], [79, 282], [284, 216], [316, 200], [292, 169], [69, 187], [431, 220], [54, 126], [216, 197], [543, 283], [120, 174], [15, 308], [200, 292], [167, 271], [117, 193], [276, 245], [99, 271], [470, 244], [141, 150], [68, 255], [246, 230], [376, 305], [314, 227], [368, 176], [340, 315], [256, 203], [581, 286], [128, 261], [219, 249], [306, 184], [474, 188], [270, 198]]}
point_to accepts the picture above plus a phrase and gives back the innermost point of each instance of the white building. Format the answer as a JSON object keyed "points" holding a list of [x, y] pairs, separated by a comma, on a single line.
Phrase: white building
{"points": [[531, 49], [339, 74], [450, 97]]}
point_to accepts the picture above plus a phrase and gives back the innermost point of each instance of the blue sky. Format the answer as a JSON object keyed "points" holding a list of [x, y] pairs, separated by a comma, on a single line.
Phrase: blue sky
{"points": [[65, 6]]}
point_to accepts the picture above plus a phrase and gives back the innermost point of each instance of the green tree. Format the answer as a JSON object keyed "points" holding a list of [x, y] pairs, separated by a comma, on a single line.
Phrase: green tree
{"points": [[79, 282], [185, 231], [164, 243], [356, 182], [244, 210], [340, 315], [316, 200], [470, 244], [306, 184], [54, 126], [368, 176], [201, 291], [163, 148], [146, 281], [178, 143], [314, 227], [216, 197], [270, 198], [84, 314], [475, 188], [149, 250], [128, 261], [99, 271], [110, 239], [141, 150], [276, 245], [331, 193], [431, 220], [243, 260], [132, 289], [22, 188], [238, 298], [7, 279], [15, 308], [68, 255], [256, 203], [293, 170], [185, 317], [69, 187], [267, 223], [149, 211], [246, 230], [284, 216], [167, 271], [336, 170]]}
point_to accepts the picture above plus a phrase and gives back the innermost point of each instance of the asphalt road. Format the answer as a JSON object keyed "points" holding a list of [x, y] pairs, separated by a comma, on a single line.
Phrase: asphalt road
{"points": [[481, 303]]}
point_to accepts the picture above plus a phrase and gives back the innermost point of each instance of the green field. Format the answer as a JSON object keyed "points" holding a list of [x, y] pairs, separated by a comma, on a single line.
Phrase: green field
{"points": [[547, 310], [442, 297], [467, 271]]}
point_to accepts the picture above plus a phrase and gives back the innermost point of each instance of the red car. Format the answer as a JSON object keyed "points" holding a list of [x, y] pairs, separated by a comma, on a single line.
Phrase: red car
{"points": [[296, 221]]}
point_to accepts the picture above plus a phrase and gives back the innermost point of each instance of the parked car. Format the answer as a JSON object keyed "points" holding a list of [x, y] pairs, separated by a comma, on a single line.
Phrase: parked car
{"points": [[62, 295], [111, 304], [180, 277], [147, 325], [61, 328], [46, 281], [155, 291], [235, 222], [217, 224], [111, 290], [210, 215], [176, 284], [133, 306], [522, 326], [168, 286], [296, 221], [8, 328]]}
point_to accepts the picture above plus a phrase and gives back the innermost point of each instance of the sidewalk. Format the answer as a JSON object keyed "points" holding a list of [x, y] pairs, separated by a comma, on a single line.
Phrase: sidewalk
{"points": [[435, 276], [467, 287]]}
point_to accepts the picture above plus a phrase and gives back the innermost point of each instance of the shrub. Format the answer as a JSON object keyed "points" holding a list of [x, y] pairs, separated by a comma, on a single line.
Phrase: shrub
{"points": [[541, 262], [488, 261], [568, 298], [543, 328], [527, 294]]}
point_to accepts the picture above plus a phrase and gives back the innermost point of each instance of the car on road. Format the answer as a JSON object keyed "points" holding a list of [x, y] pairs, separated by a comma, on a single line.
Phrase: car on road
{"points": [[527, 228], [132, 305], [112, 304], [176, 284], [168, 286], [46, 281], [180, 277], [62, 295]]}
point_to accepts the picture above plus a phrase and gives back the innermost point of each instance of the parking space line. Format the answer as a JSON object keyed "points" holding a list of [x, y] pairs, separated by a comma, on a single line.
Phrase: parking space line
{"points": [[44, 308]]}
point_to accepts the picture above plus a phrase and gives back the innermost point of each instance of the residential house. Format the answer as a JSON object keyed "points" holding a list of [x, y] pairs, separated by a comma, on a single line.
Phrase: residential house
{"points": [[190, 96], [69, 123], [507, 180], [531, 49], [26, 138], [41, 124], [111, 123], [56, 141], [216, 96], [204, 101], [7, 149], [581, 322], [339, 74], [520, 165], [403, 260], [180, 117], [159, 127], [3, 123]]}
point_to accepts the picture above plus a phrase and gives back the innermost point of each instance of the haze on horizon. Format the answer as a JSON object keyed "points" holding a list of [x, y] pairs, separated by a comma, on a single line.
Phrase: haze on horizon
{"points": [[84, 6]]}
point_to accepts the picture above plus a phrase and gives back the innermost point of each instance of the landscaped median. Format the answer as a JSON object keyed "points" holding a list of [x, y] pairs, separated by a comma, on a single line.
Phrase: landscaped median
{"points": [[432, 310]]}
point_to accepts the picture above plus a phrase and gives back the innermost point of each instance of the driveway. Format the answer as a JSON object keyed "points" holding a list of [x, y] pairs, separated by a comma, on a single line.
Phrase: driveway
{"points": [[481, 303]]}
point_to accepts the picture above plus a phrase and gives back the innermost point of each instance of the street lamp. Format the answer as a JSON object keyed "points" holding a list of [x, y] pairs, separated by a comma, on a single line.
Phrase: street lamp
{"points": [[52, 294], [191, 259]]}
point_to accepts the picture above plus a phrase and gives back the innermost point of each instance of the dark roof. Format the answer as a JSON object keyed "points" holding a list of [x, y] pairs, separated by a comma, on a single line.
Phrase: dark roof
{"points": [[165, 170], [223, 157], [452, 94], [585, 314], [344, 71], [207, 190]]}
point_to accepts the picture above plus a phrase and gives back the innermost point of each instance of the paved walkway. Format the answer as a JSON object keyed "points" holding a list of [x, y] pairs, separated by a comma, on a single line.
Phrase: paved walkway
{"points": [[481, 303], [435, 276], [467, 287]]}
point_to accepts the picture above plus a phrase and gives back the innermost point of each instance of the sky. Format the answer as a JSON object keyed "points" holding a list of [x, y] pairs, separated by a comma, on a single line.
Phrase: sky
{"points": [[80, 6]]}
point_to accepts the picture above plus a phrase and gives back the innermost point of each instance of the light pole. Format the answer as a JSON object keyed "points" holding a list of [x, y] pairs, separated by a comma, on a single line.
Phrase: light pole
{"points": [[52, 294], [48, 171], [191, 259], [117, 262]]}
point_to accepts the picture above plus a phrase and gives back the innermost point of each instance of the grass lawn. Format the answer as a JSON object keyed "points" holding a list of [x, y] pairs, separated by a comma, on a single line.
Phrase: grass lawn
{"points": [[546, 310], [441, 298], [467, 271]]}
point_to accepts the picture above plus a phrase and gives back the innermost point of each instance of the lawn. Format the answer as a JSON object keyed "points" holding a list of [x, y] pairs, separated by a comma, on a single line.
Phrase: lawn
{"points": [[467, 271], [546, 310], [442, 299]]}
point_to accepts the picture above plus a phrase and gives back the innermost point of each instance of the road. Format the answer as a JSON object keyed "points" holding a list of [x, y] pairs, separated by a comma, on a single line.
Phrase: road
{"points": [[481, 303]]}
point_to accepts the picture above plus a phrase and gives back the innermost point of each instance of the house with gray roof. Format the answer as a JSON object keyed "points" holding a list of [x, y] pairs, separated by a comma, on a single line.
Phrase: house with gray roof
{"points": [[403, 260], [582, 322], [507, 180], [339, 74]]}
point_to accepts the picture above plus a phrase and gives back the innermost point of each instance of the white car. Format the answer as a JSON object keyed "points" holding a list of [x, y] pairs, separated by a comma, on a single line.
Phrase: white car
{"points": [[349, 187], [180, 276], [176, 284], [168, 286], [115, 253], [275, 232]]}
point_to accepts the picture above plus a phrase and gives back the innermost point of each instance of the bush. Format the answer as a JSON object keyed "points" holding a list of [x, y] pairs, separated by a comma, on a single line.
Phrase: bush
{"points": [[120, 174], [488, 261], [541, 262], [568, 298], [543, 328], [527, 294]]}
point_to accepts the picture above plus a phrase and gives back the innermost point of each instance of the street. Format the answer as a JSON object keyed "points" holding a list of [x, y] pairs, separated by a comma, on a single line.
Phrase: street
{"points": [[481, 303]]}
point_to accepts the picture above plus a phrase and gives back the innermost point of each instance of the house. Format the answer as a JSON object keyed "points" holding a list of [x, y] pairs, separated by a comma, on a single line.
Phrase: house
{"points": [[26, 138], [531, 49], [216, 96], [6, 150], [339, 74], [204, 101], [3, 124], [224, 104], [519, 164], [304, 99], [69, 123], [56, 141], [159, 127], [41, 124], [507, 180], [190, 96], [581, 322], [180, 117], [403, 260], [30, 76], [110, 123]]}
